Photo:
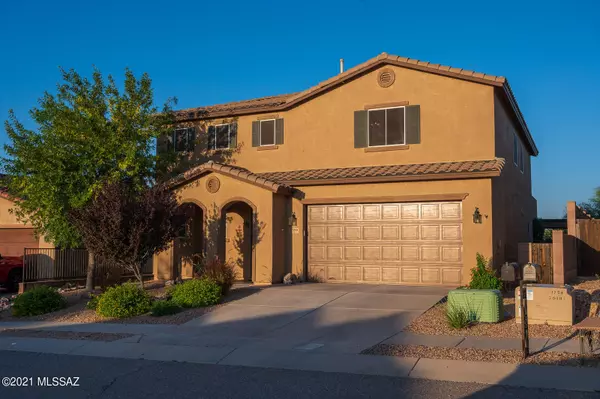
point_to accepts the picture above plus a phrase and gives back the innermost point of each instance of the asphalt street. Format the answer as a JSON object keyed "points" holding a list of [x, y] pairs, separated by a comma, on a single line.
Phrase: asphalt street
{"points": [[123, 378]]}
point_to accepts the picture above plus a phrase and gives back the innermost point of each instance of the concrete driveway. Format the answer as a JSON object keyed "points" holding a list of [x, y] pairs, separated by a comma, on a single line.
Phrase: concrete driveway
{"points": [[334, 318]]}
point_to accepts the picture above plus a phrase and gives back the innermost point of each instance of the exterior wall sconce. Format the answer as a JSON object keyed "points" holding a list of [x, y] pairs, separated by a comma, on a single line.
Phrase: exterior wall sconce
{"points": [[292, 220], [477, 216]]}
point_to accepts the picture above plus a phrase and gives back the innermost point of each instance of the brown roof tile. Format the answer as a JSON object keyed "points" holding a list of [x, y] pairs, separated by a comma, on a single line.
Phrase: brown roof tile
{"points": [[232, 171], [402, 172]]}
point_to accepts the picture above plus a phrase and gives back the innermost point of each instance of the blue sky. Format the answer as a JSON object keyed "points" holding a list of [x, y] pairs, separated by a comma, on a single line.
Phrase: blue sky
{"points": [[210, 52]]}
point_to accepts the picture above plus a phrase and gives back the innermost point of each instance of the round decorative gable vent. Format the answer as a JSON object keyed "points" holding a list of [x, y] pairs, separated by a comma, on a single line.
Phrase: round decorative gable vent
{"points": [[386, 77], [213, 184]]}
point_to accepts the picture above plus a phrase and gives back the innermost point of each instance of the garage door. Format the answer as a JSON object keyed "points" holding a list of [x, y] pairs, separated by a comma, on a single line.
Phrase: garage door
{"points": [[14, 241], [401, 243]]}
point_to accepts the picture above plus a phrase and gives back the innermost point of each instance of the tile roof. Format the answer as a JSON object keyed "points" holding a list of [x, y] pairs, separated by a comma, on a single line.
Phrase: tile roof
{"points": [[233, 107], [425, 171], [232, 171], [285, 101], [282, 182]]}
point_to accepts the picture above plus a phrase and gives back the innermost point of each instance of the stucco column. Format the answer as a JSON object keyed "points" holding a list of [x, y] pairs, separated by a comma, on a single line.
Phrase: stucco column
{"points": [[572, 218]]}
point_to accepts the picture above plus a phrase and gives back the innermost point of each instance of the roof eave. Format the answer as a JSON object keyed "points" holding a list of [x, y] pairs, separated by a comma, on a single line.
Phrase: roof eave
{"points": [[225, 170], [391, 179]]}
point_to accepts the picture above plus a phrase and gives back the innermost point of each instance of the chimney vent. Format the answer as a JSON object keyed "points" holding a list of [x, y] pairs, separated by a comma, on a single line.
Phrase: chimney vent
{"points": [[341, 65]]}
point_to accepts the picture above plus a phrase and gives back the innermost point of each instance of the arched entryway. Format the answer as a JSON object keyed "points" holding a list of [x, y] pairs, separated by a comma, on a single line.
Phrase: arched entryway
{"points": [[189, 245], [238, 219]]}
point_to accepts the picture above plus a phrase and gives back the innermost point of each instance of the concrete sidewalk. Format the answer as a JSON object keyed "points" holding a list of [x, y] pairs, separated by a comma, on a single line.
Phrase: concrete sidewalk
{"points": [[307, 358], [190, 335]]}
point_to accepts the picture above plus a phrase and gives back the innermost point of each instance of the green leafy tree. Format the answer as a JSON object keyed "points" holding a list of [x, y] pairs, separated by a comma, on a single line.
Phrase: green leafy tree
{"points": [[88, 133], [592, 206]]}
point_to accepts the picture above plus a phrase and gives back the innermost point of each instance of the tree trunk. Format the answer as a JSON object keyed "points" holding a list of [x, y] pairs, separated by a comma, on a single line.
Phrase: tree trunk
{"points": [[137, 272], [89, 282]]}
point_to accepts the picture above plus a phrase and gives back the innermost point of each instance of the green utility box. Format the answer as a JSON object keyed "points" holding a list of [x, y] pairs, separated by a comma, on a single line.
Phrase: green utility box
{"points": [[486, 305]]}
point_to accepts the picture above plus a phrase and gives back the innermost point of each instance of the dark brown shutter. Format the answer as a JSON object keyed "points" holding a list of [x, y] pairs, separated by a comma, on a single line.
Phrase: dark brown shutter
{"points": [[210, 140], [413, 124], [361, 130], [279, 131], [233, 135], [163, 144], [191, 139], [255, 134]]}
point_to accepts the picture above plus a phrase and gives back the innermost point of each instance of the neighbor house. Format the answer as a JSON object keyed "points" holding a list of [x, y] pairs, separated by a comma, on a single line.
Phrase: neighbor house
{"points": [[394, 171], [15, 235]]}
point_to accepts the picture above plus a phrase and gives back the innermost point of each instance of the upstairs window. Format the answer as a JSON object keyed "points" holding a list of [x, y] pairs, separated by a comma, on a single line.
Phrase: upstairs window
{"points": [[522, 160], [267, 132], [222, 136], [515, 149], [183, 139], [518, 153], [387, 126]]}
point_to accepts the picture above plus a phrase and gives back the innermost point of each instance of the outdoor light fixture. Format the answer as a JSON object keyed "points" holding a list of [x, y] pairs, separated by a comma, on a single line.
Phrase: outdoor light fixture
{"points": [[477, 216], [292, 220]]}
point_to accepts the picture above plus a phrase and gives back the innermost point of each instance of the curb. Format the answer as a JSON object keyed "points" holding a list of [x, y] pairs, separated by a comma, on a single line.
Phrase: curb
{"points": [[517, 375]]}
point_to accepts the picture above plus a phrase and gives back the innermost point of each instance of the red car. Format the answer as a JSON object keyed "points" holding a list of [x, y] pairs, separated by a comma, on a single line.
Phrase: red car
{"points": [[11, 271]]}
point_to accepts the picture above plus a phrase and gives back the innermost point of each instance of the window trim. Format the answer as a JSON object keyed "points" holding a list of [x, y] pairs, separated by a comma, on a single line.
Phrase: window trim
{"points": [[260, 122], [385, 127], [228, 137]]}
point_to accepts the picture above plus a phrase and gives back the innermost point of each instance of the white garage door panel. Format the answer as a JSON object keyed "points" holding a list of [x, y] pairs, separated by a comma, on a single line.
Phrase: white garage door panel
{"points": [[401, 243]]}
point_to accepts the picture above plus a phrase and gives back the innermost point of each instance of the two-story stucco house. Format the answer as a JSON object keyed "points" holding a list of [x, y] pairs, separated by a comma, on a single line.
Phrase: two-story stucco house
{"points": [[395, 171]]}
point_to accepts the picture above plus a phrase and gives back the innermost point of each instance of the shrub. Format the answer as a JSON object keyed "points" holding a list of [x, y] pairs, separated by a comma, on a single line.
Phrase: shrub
{"points": [[196, 293], [125, 300], [458, 317], [37, 301], [93, 302], [222, 273], [482, 277], [164, 308]]}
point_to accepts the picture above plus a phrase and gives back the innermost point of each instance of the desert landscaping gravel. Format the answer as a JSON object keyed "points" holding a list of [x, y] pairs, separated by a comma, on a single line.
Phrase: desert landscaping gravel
{"points": [[88, 336], [433, 322], [482, 355]]}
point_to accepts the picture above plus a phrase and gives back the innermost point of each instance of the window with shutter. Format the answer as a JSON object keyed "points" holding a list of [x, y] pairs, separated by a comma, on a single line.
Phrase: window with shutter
{"points": [[183, 139]]}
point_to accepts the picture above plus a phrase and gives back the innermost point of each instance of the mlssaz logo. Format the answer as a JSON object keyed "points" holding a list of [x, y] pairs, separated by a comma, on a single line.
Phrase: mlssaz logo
{"points": [[58, 381]]}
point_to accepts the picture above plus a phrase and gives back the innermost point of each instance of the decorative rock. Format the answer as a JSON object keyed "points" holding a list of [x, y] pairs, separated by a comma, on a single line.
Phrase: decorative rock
{"points": [[169, 283]]}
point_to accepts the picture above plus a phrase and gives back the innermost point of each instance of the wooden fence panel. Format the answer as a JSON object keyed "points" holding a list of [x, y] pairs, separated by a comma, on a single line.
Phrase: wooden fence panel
{"points": [[588, 232], [541, 253]]}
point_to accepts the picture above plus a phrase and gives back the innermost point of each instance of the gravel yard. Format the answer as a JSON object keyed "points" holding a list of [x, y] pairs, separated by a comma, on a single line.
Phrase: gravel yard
{"points": [[76, 311], [433, 322], [88, 336], [482, 355]]}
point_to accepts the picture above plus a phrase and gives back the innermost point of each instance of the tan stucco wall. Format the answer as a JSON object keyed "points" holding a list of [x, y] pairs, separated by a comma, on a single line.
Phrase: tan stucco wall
{"points": [[8, 219], [476, 237], [457, 123], [514, 206], [267, 263]]}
